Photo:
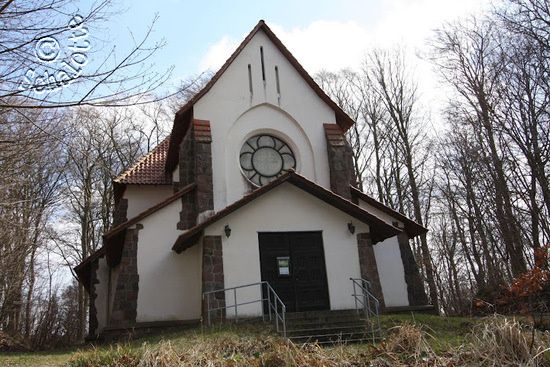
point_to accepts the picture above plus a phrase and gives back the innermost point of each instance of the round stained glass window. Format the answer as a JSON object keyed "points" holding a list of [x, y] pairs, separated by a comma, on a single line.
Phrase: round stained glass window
{"points": [[263, 158]]}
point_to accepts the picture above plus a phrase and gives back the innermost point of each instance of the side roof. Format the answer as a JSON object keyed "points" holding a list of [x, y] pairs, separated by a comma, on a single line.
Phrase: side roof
{"points": [[412, 228], [149, 169], [183, 116], [380, 229], [114, 238]]}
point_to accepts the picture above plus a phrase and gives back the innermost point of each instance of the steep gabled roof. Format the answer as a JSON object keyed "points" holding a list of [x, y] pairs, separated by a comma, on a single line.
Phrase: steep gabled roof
{"points": [[412, 228], [183, 116], [149, 169], [380, 230]]}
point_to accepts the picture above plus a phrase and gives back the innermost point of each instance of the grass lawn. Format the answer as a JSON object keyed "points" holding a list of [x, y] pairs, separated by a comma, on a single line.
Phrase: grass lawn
{"points": [[444, 332]]}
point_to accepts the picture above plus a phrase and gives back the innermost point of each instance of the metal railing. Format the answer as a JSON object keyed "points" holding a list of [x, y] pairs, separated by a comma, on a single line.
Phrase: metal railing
{"points": [[365, 301], [276, 309]]}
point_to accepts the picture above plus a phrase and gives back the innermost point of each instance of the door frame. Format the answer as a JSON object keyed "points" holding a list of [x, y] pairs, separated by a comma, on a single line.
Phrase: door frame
{"points": [[322, 245]]}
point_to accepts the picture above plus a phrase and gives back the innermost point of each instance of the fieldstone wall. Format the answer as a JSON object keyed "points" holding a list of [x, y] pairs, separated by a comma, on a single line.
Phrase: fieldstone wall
{"points": [[127, 287], [415, 287], [120, 213], [195, 165], [212, 275], [340, 160], [188, 214], [92, 320], [369, 269], [203, 166]]}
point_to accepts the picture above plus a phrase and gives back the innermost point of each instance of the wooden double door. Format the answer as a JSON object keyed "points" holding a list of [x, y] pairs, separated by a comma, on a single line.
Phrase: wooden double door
{"points": [[294, 265]]}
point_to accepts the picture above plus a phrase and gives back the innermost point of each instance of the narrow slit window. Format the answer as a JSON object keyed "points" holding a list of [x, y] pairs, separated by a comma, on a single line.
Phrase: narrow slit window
{"points": [[250, 79], [277, 80], [262, 61]]}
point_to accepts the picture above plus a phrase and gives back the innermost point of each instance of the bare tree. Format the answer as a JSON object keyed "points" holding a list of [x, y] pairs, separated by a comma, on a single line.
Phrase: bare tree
{"points": [[398, 93], [469, 59]]}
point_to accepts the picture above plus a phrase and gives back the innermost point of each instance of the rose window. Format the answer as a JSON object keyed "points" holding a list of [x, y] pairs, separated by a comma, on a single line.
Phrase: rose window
{"points": [[263, 158]]}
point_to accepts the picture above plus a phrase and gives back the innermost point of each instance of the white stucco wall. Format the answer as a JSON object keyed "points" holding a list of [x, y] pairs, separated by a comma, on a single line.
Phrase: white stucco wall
{"points": [[169, 284], [389, 263], [142, 197], [234, 114], [391, 272], [288, 208]]}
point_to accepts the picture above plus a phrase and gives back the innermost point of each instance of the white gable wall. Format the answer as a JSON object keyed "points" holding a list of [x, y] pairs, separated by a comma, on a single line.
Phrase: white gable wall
{"points": [[142, 197], [288, 208], [169, 284], [388, 260], [391, 273], [297, 117]]}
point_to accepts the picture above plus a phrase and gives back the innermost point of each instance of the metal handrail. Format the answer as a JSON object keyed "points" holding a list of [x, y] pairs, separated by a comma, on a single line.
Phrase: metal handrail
{"points": [[273, 300], [369, 303]]}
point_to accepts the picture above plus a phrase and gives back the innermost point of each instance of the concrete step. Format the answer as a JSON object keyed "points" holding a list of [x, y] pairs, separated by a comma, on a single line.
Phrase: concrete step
{"points": [[335, 338], [312, 315], [327, 330], [327, 322], [326, 325], [330, 327]]}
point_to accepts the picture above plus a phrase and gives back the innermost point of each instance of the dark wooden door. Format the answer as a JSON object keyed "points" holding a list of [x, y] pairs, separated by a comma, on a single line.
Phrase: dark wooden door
{"points": [[294, 264]]}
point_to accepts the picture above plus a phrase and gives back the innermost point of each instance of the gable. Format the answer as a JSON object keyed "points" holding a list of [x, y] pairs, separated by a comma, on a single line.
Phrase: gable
{"points": [[185, 114]]}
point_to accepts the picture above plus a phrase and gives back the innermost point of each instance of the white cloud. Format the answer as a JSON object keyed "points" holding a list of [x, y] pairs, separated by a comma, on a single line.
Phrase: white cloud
{"points": [[332, 45], [328, 45], [217, 53]]}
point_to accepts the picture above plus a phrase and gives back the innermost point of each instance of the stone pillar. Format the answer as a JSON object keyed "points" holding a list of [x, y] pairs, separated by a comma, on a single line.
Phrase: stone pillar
{"points": [[203, 166], [340, 160], [415, 287], [195, 165], [92, 320], [120, 213], [186, 165], [126, 292], [212, 275], [369, 269]]}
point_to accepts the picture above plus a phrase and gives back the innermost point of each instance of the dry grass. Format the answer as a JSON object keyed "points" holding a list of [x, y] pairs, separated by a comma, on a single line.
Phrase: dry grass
{"points": [[416, 341], [500, 341], [496, 341], [268, 352]]}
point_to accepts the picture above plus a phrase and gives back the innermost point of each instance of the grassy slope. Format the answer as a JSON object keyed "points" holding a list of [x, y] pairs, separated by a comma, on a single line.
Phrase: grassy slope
{"points": [[445, 331]]}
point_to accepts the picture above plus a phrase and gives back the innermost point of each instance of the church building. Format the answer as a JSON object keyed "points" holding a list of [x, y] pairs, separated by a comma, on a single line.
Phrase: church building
{"points": [[255, 183]]}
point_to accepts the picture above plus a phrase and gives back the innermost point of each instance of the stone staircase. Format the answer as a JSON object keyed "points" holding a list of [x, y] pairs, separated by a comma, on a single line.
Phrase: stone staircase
{"points": [[331, 327]]}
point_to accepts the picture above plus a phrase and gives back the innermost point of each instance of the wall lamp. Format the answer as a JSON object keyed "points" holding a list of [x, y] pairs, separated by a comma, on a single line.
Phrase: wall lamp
{"points": [[227, 230], [351, 228]]}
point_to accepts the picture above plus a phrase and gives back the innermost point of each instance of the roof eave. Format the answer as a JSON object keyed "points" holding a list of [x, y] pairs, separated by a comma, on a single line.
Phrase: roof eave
{"points": [[383, 230], [412, 228]]}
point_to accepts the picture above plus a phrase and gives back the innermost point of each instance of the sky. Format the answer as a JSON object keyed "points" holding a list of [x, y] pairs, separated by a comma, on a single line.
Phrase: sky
{"points": [[321, 34], [329, 35]]}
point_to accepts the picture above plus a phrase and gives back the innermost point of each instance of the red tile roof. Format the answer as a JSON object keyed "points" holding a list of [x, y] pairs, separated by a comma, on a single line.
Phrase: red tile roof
{"points": [[149, 169]]}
